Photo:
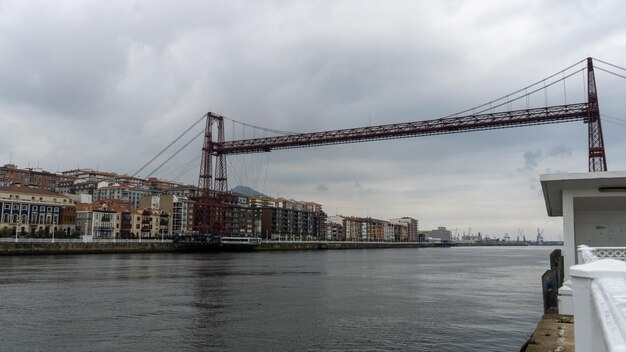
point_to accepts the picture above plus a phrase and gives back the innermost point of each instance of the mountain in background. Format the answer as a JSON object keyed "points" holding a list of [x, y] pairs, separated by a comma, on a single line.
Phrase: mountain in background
{"points": [[245, 190]]}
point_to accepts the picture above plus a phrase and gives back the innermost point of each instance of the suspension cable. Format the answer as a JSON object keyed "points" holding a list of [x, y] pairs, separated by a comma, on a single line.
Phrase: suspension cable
{"points": [[611, 72], [176, 153], [517, 91], [262, 128], [187, 166], [610, 64], [522, 96], [169, 145]]}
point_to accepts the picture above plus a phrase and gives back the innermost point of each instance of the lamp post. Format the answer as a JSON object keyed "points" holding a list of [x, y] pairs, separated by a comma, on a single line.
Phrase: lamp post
{"points": [[54, 224], [17, 226], [161, 227]]}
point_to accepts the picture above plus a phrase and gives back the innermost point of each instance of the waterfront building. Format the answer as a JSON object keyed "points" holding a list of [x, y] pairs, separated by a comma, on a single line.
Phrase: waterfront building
{"points": [[104, 219], [127, 193], [38, 178], [388, 232], [334, 231], [287, 218], [401, 232], [241, 218], [260, 201], [150, 223], [442, 234], [30, 210], [353, 228], [376, 229], [95, 221], [180, 209], [412, 227]]}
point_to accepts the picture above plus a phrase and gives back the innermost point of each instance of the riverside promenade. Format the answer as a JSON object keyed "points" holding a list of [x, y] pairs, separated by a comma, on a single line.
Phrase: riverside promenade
{"points": [[34, 246]]}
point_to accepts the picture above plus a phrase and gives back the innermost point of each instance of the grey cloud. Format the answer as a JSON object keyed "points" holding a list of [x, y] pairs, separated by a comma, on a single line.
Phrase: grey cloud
{"points": [[559, 151], [322, 187]]}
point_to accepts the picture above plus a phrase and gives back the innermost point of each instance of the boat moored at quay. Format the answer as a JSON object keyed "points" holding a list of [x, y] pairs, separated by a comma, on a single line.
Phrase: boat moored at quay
{"points": [[209, 243]]}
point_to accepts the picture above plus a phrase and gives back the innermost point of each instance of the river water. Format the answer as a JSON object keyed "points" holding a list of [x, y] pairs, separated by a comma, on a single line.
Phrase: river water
{"points": [[428, 299]]}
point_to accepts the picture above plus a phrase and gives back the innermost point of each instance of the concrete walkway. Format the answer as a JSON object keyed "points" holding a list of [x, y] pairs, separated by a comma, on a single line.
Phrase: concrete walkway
{"points": [[553, 333]]}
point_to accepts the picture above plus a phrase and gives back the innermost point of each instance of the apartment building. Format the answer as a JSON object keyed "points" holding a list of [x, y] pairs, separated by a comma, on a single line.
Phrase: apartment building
{"points": [[285, 218], [31, 177], [334, 231], [241, 218], [27, 210], [104, 219], [412, 228], [95, 221], [127, 193], [179, 208], [150, 223], [442, 234]]}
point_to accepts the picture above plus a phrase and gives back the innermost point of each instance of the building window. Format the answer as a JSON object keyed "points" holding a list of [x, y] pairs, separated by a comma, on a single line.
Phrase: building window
{"points": [[49, 209], [42, 208], [7, 206], [56, 210], [24, 207]]}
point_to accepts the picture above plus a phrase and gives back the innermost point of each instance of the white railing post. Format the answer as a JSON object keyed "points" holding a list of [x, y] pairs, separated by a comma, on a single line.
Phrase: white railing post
{"points": [[591, 310]]}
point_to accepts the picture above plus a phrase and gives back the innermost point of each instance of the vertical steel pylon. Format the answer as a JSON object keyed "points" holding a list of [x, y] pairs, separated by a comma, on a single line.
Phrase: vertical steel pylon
{"points": [[210, 207], [597, 159]]}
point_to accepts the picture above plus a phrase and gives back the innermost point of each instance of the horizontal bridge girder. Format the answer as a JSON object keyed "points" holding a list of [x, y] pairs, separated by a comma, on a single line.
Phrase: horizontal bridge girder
{"points": [[478, 122]]}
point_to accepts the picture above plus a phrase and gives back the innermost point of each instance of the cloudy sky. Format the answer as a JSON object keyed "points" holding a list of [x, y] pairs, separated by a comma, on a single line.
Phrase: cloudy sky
{"points": [[108, 84]]}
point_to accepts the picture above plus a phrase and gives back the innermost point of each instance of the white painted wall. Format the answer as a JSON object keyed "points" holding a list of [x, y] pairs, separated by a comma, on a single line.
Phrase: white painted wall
{"points": [[600, 228]]}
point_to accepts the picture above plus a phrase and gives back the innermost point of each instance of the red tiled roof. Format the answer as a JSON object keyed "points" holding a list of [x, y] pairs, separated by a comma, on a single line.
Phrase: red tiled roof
{"points": [[111, 204], [28, 190]]}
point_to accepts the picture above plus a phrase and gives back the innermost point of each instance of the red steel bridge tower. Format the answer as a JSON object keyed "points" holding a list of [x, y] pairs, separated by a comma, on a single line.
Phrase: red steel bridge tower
{"points": [[211, 207], [597, 159]]}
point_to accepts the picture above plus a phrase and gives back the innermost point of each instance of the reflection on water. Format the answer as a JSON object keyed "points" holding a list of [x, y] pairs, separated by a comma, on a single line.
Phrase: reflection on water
{"points": [[439, 299]]}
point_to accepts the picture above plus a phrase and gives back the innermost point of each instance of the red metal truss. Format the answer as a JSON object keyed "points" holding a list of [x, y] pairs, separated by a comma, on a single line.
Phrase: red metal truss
{"points": [[210, 206], [538, 116], [597, 159]]}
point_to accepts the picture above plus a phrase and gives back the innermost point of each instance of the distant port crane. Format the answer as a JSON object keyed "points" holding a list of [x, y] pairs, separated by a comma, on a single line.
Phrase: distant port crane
{"points": [[539, 236], [210, 207]]}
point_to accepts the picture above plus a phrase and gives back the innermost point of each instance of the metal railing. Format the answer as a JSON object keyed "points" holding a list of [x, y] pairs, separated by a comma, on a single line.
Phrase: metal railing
{"points": [[599, 292], [80, 240]]}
